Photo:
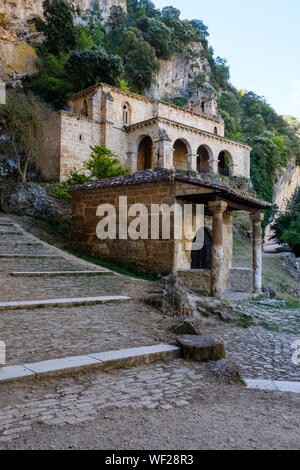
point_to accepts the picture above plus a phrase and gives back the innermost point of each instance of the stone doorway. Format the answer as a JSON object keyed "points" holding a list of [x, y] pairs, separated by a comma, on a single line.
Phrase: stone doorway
{"points": [[201, 259]]}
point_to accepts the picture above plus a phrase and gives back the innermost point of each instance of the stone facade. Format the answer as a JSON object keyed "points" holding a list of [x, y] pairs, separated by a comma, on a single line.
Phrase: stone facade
{"points": [[176, 138]]}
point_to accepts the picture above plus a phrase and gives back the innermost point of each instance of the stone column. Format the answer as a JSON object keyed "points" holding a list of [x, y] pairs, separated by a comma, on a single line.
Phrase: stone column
{"points": [[213, 165], [257, 218], [217, 208], [164, 151], [192, 162], [132, 161]]}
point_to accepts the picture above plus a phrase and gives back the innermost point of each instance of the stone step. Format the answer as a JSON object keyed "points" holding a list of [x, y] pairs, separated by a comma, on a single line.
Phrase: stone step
{"points": [[11, 232], [20, 243], [61, 273], [104, 361], [273, 385], [31, 304], [25, 255]]}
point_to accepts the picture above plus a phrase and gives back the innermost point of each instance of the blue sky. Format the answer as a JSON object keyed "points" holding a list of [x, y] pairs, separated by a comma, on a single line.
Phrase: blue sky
{"points": [[261, 41]]}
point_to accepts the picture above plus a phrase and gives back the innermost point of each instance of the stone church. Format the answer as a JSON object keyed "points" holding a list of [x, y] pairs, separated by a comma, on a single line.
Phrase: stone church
{"points": [[143, 132], [176, 156]]}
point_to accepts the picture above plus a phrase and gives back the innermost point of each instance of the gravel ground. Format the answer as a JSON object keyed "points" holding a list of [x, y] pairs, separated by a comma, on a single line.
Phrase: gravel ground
{"points": [[211, 415]]}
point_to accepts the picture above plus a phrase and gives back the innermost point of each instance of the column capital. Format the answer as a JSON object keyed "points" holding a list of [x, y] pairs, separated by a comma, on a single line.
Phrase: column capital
{"points": [[217, 207], [257, 217]]}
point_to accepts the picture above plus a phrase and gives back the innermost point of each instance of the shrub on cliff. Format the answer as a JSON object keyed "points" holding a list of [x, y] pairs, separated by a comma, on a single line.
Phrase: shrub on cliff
{"points": [[287, 226]]}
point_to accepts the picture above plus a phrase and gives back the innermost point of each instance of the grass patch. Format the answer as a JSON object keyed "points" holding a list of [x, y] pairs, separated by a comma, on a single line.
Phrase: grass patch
{"points": [[58, 227], [117, 267]]}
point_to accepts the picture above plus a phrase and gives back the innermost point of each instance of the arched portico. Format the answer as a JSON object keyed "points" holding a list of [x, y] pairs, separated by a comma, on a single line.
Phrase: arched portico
{"points": [[144, 154], [225, 163], [204, 156], [181, 150]]}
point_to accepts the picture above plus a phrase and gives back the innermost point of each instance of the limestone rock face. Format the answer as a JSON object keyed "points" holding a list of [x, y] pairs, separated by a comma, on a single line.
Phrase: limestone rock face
{"points": [[176, 74], [17, 60], [18, 32], [287, 182]]}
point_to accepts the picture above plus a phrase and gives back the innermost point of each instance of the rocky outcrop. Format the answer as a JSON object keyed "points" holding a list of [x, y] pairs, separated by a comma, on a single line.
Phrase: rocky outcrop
{"points": [[287, 181], [18, 33], [170, 297], [17, 60], [176, 74], [19, 16], [31, 199]]}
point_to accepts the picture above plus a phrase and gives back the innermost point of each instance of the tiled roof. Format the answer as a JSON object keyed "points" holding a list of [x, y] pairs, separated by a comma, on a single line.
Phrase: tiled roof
{"points": [[161, 174]]}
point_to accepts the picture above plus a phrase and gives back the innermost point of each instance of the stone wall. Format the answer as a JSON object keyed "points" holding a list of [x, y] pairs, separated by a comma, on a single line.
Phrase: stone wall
{"points": [[147, 255], [48, 163], [197, 280], [241, 279]]}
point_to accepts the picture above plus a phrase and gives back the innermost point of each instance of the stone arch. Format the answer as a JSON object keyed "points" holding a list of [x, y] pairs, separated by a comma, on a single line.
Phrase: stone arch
{"points": [[201, 259], [181, 150], [203, 160], [225, 163], [126, 113], [144, 153]]}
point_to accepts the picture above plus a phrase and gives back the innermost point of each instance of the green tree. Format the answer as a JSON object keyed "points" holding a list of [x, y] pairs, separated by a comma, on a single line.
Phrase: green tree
{"points": [[287, 226], [140, 61], [86, 68], [104, 163], [158, 35], [58, 26], [51, 83], [21, 129]]}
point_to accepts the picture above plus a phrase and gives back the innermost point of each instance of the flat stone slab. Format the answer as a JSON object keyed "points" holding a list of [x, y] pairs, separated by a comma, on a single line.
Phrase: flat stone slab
{"points": [[106, 360], [55, 366], [12, 373], [27, 304], [60, 273], [30, 256], [135, 356], [201, 348], [273, 385]]}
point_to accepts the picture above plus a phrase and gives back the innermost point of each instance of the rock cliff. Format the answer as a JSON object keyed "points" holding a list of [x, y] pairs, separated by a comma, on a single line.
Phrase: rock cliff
{"points": [[18, 33], [175, 75], [287, 181]]}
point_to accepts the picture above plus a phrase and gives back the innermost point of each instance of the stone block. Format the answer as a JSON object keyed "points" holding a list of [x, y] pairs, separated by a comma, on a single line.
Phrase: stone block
{"points": [[201, 348]]}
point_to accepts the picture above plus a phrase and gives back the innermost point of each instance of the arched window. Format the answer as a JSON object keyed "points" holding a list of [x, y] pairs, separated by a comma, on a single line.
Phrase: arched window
{"points": [[216, 130], [202, 106], [126, 114]]}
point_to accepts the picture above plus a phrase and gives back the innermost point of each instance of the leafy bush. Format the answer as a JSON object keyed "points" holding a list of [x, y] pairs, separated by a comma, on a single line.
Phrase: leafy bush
{"points": [[104, 163], [287, 226]]}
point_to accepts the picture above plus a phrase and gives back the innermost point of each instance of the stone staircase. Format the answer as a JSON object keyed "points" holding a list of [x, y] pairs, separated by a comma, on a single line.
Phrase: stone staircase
{"points": [[60, 314]]}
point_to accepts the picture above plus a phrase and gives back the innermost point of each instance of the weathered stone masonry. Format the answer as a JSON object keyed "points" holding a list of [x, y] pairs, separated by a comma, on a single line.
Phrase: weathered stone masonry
{"points": [[132, 126], [165, 256]]}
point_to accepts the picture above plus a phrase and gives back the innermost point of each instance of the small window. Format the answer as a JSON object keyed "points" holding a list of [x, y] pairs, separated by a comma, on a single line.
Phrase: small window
{"points": [[202, 106], [216, 130], [80, 137], [126, 114], [192, 106]]}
